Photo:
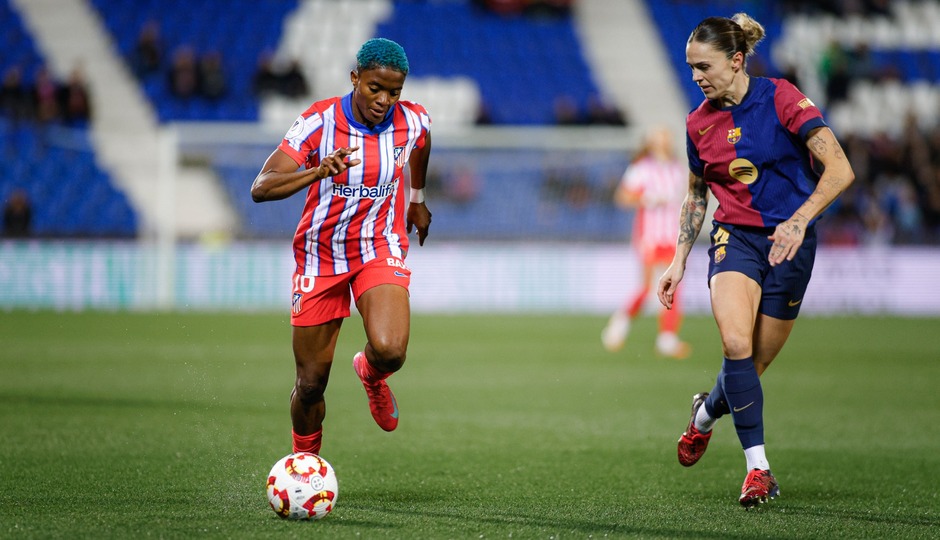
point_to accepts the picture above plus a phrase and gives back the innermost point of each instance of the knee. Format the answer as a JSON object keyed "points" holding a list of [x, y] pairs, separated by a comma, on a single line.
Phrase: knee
{"points": [[310, 390], [736, 346], [388, 355]]}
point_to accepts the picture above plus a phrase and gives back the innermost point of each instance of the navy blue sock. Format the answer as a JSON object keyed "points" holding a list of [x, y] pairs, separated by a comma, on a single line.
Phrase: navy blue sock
{"points": [[716, 405], [743, 392]]}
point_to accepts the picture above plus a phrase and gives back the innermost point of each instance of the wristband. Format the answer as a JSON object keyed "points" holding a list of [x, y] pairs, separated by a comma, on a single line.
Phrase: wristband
{"points": [[417, 195]]}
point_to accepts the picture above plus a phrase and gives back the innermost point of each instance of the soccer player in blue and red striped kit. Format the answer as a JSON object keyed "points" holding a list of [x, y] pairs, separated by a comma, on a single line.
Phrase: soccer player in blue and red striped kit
{"points": [[757, 144]]}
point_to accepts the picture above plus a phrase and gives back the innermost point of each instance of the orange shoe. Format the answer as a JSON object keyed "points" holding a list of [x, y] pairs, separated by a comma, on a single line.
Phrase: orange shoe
{"points": [[758, 488], [381, 400]]}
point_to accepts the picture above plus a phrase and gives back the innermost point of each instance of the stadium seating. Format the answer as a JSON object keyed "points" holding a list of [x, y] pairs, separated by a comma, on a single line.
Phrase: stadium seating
{"points": [[70, 195], [238, 29], [522, 65], [565, 197], [17, 45], [677, 18]]}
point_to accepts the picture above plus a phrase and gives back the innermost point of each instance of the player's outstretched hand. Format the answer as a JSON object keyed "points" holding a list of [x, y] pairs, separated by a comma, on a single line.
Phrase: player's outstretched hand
{"points": [[419, 217], [336, 163]]}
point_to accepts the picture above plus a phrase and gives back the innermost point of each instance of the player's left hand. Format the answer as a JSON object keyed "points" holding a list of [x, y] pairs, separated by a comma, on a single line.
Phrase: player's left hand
{"points": [[787, 238], [419, 217]]}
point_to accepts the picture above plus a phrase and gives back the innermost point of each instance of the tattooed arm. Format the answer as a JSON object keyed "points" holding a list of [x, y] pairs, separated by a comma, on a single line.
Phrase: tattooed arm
{"points": [[836, 177], [691, 218]]}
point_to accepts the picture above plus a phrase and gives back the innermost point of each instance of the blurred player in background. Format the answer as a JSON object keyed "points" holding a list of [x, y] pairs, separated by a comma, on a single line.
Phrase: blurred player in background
{"points": [[352, 235], [655, 185], [756, 144]]}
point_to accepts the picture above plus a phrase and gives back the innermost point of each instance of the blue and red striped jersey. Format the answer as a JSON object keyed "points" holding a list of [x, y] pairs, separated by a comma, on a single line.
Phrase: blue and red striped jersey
{"points": [[753, 155], [358, 215]]}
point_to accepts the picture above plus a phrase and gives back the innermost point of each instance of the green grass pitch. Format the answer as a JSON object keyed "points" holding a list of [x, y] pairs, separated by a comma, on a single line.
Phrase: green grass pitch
{"points": [[118, 425]]}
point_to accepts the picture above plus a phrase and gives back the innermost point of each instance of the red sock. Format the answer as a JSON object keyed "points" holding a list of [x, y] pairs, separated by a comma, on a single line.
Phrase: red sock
{"points": [[308, 443], [670, 319], [633, 308], [371, 374]]}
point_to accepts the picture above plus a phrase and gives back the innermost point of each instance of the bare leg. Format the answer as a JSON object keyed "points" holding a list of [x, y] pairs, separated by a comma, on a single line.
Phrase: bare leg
{"points": [[770, 335], [386, 316], [313, 355], [735, 298]]}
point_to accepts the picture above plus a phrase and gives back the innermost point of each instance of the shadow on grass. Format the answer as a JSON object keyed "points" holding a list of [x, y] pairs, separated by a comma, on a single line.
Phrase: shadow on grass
{"points": [[882, 518], [403, 503]]}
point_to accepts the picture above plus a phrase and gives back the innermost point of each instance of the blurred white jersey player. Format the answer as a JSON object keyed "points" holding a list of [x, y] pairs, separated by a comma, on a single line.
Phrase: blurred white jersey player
{"points": [[655, 184]]}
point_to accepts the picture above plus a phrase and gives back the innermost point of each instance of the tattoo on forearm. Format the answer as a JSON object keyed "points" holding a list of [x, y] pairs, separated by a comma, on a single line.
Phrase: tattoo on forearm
{"points": [[690, 220], [692, 214], [833, 185], [819, 145]]}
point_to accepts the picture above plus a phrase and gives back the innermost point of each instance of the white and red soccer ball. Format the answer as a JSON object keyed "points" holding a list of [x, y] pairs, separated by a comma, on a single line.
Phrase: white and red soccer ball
{"points": [[302, 486]]}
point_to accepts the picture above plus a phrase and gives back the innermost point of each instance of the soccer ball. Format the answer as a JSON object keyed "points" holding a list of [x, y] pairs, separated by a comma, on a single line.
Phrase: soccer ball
{"points": [[302, 486]]}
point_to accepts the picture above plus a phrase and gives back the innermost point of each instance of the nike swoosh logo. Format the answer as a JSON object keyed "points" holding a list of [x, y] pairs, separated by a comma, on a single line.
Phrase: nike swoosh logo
{"points": [[792, 303], [395, 405], [739, 409], [704, 131]]}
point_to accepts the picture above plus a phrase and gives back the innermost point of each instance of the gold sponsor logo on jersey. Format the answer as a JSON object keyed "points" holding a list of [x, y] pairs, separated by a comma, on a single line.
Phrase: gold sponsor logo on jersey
{"points": [[734, 135], [743, 171]]}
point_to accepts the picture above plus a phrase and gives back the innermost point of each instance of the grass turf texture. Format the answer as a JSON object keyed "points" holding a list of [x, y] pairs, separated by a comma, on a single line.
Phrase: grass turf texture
{"points": [[165, 425]]}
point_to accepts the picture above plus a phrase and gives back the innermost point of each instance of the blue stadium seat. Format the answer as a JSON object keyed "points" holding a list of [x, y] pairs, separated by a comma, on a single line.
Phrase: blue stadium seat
{"points": [[496, 51], [55, 166], [239, 29]]}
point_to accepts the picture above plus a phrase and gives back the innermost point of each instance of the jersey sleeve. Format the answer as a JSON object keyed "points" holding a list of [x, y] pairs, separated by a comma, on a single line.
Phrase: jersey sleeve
{"points": [[695, 161], [421, 118], [796, 112], [633, 178], [303, 137]]}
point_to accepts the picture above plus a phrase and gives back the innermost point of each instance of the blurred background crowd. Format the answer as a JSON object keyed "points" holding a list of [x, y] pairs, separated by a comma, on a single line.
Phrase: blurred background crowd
{"points": [[873, 66]]}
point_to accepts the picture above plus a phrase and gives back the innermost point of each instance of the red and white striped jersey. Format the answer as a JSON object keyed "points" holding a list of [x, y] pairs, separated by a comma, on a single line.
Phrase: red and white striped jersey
{"points": [[359, 215], [661, 186]]}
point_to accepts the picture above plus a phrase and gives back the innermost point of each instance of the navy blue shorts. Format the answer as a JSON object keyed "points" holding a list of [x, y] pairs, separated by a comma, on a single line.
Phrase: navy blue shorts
{"points": [[746, 250]]}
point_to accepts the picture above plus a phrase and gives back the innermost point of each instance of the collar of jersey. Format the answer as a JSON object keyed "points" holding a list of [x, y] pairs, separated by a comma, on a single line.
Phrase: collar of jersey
{"points": [[380, 127], [751, 88]]}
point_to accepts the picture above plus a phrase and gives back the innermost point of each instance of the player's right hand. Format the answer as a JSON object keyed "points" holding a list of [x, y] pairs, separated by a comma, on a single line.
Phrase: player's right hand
{"points": [[335, 163]]}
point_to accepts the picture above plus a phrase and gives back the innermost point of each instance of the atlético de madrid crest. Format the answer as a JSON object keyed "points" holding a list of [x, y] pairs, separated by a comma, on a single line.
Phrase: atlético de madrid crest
{"points": [[399, 152], [734, 135]]}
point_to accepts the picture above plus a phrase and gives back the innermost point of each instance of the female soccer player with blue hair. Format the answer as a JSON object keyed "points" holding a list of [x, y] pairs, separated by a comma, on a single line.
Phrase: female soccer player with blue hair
{"points": [[756, 143], [353, 234]]}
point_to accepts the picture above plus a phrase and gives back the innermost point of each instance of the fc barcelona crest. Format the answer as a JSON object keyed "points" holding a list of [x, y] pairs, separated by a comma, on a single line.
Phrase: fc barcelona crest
{"points": [[734, 135], [719, 254], [399, 152]]}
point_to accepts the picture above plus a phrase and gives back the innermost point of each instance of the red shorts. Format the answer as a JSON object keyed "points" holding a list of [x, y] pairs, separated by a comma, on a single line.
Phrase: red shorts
{"points": [[320, 299], [657, 255]]}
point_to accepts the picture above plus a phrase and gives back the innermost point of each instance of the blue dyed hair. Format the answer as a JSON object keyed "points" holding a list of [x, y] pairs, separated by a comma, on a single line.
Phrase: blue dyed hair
{"points": [[381, 52]]}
